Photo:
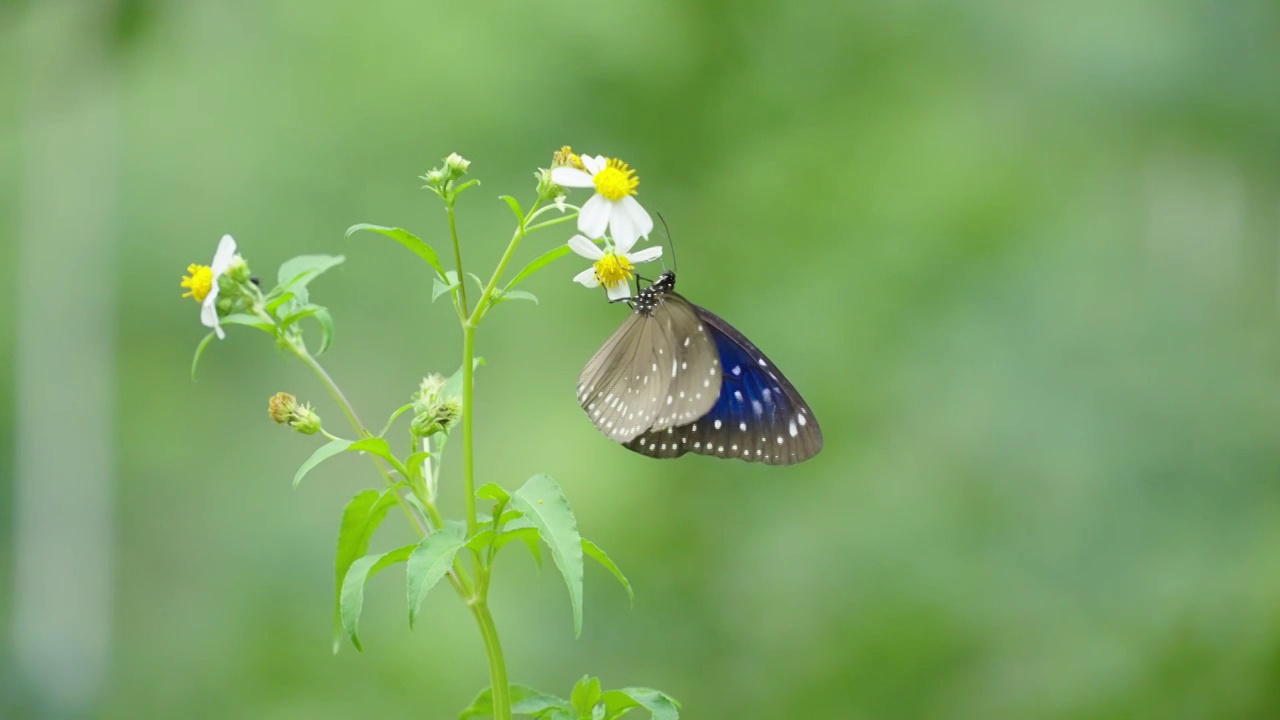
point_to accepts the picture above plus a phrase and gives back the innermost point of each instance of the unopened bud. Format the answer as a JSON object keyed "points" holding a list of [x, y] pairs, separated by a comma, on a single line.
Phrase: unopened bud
{"points": [[547, 188], [284, 409], [456, 166]]}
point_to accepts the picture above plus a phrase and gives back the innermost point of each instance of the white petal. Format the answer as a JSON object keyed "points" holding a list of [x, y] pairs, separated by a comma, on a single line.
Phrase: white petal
{"points": [[587, 278], [209, 314], [593, 218], [571, 177], [622, 229], [592, 164], [585, 248], [641, 219], [225, 254], [620, 291], [646, 255]]}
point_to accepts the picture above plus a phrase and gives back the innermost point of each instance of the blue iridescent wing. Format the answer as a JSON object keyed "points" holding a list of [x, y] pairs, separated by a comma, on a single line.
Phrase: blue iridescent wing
{"points": [[758, 416]]}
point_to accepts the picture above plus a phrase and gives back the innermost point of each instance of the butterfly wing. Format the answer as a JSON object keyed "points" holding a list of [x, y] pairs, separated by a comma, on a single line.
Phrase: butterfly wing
{"points": [[661, 368], [758, 415]]}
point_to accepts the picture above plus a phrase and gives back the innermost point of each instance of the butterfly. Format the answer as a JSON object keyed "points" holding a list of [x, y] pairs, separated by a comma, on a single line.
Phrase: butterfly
{"points": [[676, 378]]}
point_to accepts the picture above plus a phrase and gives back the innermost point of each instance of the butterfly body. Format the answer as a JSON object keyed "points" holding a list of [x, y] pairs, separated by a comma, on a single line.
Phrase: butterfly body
{"points": [[677, 378]]}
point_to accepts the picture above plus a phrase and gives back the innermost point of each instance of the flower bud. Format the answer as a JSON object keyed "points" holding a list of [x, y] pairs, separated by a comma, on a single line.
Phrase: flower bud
{"points": [[284, 409], [238, 271], [436, 178], [455, 166], [432, 412], [547, 188]]}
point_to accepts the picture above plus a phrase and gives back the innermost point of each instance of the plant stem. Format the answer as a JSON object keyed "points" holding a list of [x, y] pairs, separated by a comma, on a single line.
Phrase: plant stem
{"points": [[468, 405], [486, 297], [457, 260], [500, 691]]}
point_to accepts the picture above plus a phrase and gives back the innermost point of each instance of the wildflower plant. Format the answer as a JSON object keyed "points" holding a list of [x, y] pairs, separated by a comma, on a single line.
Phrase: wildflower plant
{"points": [[408, 456]]}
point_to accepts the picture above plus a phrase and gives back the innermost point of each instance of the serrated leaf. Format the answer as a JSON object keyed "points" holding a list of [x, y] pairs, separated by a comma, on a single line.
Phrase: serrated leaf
{"points": [[407, 239], [616, 703], [296, 273], [600, 556], [200, 351], [429, 562], [351, 597], [524, 701], [515, 208], [537, 264], [585, 695], [324, 452], [543, 504], [660, 705], [360, 518]]}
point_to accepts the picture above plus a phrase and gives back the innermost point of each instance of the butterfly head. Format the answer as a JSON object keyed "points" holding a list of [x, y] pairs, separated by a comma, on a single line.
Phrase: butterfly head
{"points": [[652, 296]]}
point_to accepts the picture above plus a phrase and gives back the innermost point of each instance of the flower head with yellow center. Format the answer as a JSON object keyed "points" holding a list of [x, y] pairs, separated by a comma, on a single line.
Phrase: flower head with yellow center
{"points": [[612, 267], [201, 282], [614, 206]]}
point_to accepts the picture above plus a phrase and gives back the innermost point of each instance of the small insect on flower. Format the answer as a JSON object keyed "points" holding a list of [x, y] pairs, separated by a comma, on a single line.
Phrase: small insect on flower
{"points": [[201, 282], [613, 206], [612, 268]]}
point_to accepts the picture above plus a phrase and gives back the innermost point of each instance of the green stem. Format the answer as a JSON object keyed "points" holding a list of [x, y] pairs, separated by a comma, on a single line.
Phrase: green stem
{"points": [[457, 260], [486, 297], [500, 690], [468, 400]]}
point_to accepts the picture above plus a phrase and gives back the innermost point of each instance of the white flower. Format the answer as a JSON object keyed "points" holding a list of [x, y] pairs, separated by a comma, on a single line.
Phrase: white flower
{"points": [[613, 206], [222, 260], [612, 267]]}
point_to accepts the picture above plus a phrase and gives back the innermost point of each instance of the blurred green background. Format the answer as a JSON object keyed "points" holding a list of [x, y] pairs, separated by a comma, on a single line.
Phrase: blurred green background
{"points": [[1020, 257]]}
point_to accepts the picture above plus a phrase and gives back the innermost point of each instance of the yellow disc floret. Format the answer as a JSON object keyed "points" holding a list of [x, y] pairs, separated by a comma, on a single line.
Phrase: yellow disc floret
{"points": [[616, 180], [613, 270], [198, 281]]}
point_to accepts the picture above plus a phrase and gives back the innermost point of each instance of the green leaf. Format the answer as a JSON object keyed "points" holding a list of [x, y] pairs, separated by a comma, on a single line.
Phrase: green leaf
{"points": [[324, 452], [515, 208], [538, 263], [399, 411], [298, 312], [660, 705], [374, 445], [453, 386], [248, 321], [600, 556], [430, 561], [503, 295], [439, 287], [351, 597], [200, 351], [545, 507], [524, 701], [296, 273], [492, 491], [616, 703], [585, 695], [407, 239], [279, 300], [481, 540], [360, 518], [478, 281], [323, 317]]}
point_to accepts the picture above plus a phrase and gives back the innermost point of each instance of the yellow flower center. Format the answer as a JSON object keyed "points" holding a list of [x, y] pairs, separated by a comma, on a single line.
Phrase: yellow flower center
{"points": [[198, 281], [565, 157], [613, 270], [616, 180]]}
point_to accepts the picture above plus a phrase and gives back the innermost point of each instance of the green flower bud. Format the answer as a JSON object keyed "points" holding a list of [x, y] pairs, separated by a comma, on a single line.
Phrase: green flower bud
{"points": [[456, 166], [284, 409], [547, 189]]}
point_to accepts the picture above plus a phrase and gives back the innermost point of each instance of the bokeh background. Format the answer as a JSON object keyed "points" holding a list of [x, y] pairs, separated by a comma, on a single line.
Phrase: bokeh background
{"points": [[1020, 257]]}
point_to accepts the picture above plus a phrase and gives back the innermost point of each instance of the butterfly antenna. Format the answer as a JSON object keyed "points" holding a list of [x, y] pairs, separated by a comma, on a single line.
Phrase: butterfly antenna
{"points": [[670, 243]]}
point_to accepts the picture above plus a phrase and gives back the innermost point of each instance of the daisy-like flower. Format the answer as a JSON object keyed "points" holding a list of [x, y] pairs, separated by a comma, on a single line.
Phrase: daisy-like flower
{"points": [[611, 268], [614, 205], [201, 282]]}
